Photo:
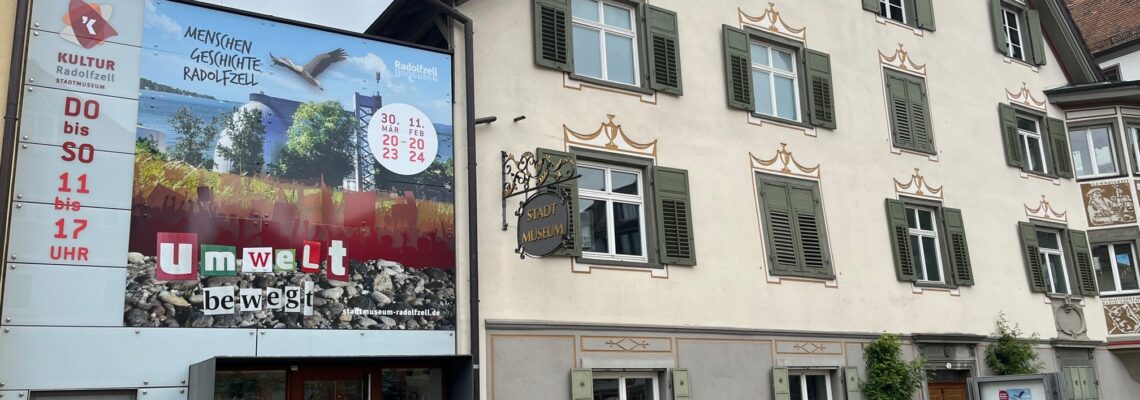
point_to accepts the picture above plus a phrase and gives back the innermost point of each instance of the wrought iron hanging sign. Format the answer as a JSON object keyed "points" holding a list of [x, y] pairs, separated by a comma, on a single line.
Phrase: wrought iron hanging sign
{"points": [[544, 217]]}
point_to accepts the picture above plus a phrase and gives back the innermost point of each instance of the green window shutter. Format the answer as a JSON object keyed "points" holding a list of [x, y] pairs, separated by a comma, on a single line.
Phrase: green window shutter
{"points": [[818, 68], [552, 40], [1092, 384], [871, 5], [811, 235], [570, 190], [737, 68], [1035, 36], [900, 112], [1011, 140], [1082, 259], [1060, 146], [900, 240], [1032, 257], [664, 50], [996, 19], [1072, 383], [674, 216], [924, 14], [919, 115], [779, 226], [851, 376], [582, 384], [959, 251], [780, 386], [681, 390]]}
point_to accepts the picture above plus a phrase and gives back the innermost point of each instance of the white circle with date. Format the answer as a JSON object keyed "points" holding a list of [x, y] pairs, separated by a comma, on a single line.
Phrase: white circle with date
{"points": [[402, 139]]}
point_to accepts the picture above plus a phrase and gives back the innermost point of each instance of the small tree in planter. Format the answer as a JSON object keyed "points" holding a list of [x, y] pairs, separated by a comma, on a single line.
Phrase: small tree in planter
{"points": [[889, 377], [1012, 354]]}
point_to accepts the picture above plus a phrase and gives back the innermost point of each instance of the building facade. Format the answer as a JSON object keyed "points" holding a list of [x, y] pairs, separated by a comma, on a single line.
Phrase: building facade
{"points": [[766, 187], [310, 262]]}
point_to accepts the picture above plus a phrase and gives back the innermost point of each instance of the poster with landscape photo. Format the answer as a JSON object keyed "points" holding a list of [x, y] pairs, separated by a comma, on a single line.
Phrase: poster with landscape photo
{"points": [[289, 177]]}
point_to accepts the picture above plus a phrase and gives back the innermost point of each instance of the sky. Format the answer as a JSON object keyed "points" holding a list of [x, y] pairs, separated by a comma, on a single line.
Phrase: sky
{"points": [[350, 15], [169, 52]]}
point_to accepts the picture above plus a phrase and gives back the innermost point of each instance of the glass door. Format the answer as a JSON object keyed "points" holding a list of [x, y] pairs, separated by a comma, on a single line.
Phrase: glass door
{"points": [[329, 384]]}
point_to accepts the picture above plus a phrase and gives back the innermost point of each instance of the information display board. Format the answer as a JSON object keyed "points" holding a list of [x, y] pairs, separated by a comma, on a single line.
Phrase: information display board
{"points": [[244, 172]]}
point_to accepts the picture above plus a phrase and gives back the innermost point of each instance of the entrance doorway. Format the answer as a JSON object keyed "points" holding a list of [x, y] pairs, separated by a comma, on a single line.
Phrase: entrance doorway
{"points": [[948, 384], [332, 383]]}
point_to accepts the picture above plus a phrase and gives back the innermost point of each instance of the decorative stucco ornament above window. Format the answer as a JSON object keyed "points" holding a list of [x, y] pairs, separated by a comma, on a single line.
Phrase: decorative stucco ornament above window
{"points": [[772, 22], [784, 163], [1024, 98], [609, 137], [918, 187], [901, 61], [1045, 212]]}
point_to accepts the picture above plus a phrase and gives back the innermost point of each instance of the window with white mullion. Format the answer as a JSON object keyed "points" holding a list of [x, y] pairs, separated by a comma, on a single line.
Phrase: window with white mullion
{"points": [[1053, 261], [1032, 145], [605, 41], [809, 385], [1093, 154], [1013, 34], [1115, 267], [612, 211], [774, 80], [893, 9], [926, 252], [625, 386], [1135, 135]]}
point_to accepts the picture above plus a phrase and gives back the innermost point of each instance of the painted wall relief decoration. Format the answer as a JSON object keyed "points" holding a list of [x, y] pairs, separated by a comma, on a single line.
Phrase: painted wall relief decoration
{"points": [[1045, 211], [1122, 314], [772, 22], [917, 186], [783, 163], [1108, 203], [609, 137], [901, 61], [1025, 98]]}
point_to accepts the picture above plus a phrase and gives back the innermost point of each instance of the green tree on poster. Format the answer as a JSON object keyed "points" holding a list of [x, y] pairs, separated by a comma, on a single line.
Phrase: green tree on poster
{"points": [[195, 138], [149, 146], [319, 144], [247, 140]]}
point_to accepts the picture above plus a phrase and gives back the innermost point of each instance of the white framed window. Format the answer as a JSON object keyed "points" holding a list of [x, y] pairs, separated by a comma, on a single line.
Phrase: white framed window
{"points": [[893, 9], [809, 385], [1032, 146], [775, 81], [1134, 135], [611, 203], [605, 41], [1013, 34], [924, 244], [1093, 154], [1053, 262], [1115, 266], [625, 386]]}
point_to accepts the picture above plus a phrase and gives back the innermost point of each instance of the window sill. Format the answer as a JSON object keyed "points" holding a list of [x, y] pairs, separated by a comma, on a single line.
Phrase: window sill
{"points": [[934, 285], [610, 84], [1009, 60], [801, 275], [1056, 180], [781, 121], [908, 149], [1126, 293], [887, 21], [1097, 177], [618, 263]]}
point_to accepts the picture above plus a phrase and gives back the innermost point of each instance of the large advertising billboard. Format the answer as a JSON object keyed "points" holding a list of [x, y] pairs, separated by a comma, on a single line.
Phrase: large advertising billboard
{"points": [[258, 175]]}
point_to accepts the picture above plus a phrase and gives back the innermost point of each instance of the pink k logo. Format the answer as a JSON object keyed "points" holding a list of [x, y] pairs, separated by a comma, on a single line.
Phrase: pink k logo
{"points": [[87, 24]]}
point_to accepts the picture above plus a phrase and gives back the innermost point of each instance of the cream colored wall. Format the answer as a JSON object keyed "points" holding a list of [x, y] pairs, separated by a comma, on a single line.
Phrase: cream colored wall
{"points": [[966, 78], [1129, 65]]}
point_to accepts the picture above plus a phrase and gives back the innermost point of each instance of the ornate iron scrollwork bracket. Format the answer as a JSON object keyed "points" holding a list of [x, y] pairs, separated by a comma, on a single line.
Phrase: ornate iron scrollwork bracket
{"points": [[528, 173]]}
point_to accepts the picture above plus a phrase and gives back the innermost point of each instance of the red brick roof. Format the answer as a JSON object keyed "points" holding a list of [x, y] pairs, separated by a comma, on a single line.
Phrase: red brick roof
{"points": [[1106, 23]]}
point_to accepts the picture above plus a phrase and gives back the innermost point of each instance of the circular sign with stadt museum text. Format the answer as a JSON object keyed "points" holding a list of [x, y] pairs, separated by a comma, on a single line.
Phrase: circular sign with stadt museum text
{"points": [[402, 139]]}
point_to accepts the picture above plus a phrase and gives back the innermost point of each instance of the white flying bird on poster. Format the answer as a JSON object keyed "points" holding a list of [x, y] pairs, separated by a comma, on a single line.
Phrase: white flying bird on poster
{"points": [[315, 66]]}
